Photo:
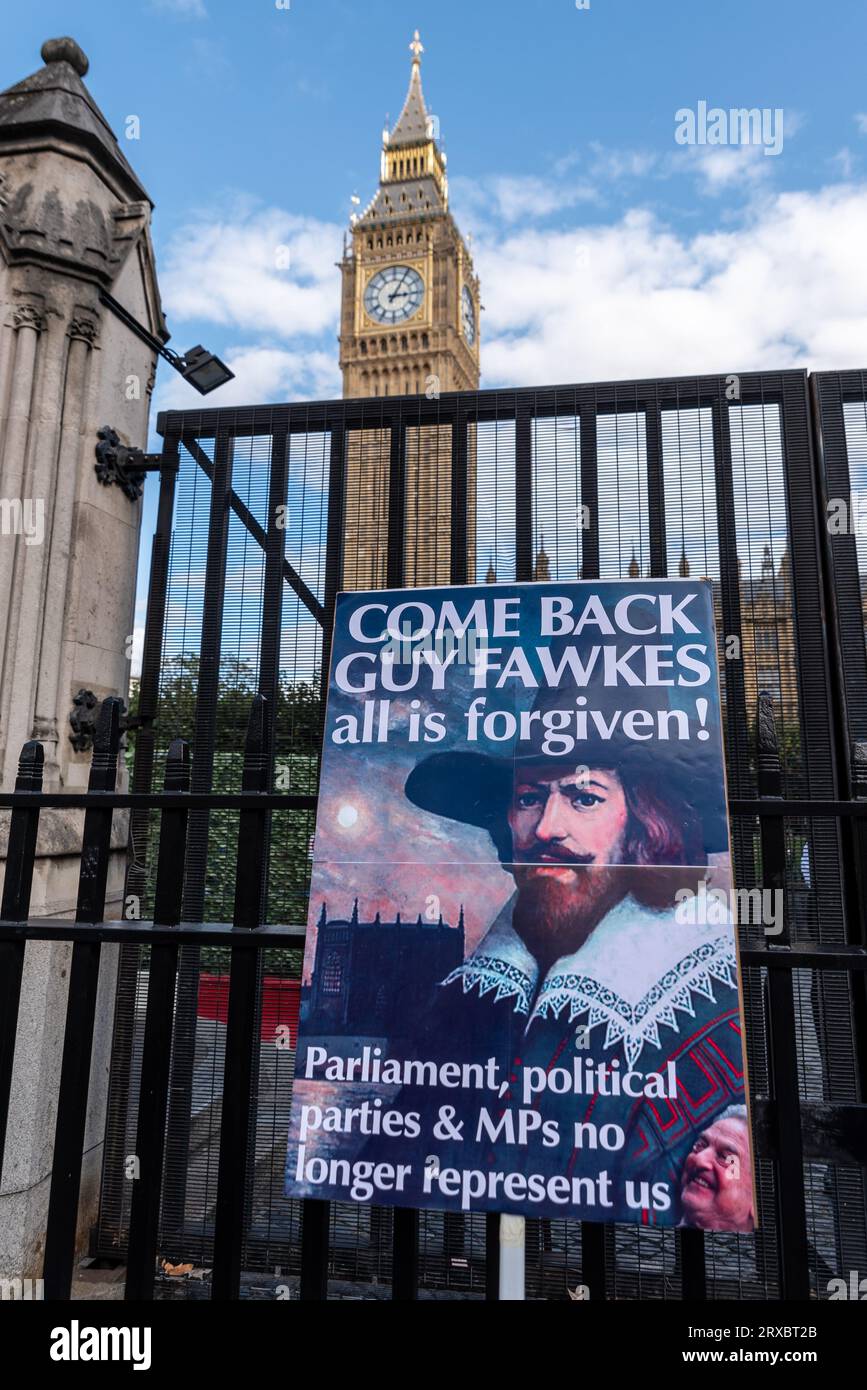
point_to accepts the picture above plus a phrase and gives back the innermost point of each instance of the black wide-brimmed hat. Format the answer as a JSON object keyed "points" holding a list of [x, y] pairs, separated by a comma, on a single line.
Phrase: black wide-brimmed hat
{"points": [[476, 788]]}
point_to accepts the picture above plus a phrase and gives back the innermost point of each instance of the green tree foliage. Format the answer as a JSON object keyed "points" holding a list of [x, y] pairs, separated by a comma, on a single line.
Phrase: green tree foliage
{"points": [[297, 743]]}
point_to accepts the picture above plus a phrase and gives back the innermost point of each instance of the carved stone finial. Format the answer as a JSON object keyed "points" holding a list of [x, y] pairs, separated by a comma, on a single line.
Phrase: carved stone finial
{"points": [[416, 48], [767, 743], [65, 50]]}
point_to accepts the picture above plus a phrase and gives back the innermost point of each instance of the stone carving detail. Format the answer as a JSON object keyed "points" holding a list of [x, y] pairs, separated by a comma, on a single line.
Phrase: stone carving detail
{"points": [[115, 463], [28, 316], [85, 708], [83, 328], [84, 717]]}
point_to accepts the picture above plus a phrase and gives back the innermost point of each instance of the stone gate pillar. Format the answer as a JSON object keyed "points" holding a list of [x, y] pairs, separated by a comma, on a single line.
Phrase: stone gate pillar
{"points": [[74, 222]]}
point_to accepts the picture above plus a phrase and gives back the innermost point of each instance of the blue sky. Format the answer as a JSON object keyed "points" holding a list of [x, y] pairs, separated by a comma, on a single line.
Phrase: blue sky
{"points": [[605, 248]]}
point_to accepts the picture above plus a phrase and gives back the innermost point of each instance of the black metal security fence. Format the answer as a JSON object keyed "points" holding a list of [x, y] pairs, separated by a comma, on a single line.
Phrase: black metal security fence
{"points": [[264, 514]]}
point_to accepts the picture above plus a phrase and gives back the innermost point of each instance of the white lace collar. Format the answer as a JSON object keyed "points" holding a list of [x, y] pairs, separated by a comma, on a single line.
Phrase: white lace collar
{"points": [[635, 972]]}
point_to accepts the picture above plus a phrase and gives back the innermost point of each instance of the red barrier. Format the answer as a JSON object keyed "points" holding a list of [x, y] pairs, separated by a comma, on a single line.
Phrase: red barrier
{"points": [[281, 1004]]}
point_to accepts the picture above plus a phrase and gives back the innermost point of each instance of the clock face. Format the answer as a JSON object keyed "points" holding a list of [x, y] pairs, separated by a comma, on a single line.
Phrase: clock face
{"points": [[468, 316], [394, 294]]}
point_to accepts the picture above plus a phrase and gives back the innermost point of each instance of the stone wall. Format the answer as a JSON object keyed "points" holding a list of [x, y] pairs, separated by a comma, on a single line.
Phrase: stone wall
{"points": [[74, 225]]}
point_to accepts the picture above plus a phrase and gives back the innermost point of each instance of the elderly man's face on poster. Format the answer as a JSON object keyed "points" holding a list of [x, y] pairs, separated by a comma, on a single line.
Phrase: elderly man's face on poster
{"points": [[717, 1185]]}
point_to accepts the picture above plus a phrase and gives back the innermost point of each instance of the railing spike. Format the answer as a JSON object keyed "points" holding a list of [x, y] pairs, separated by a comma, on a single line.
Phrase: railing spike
{"points": [[177, 773], [30, 767], [767, 743]]}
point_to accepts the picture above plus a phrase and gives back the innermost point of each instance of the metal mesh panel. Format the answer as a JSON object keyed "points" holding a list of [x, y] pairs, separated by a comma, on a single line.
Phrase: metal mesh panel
{"points": [[855, 423], [495, 502], [624, 521]]}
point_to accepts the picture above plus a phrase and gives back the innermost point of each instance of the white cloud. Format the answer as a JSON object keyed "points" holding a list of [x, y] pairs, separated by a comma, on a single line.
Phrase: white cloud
{"points": [[260, 269], [719, 168], [786, 288], [618, 164], [262, 375], [861, 121], [844, 162], [187, 9], [778, 280], [501, 199], [510, 199]]}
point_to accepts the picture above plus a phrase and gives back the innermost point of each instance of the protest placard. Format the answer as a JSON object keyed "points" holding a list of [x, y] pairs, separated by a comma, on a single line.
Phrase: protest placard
{"points": [[521, 982]]}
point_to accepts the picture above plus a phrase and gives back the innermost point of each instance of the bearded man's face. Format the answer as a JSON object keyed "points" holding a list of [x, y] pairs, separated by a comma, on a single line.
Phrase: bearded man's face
{"points": [[568, 834]]}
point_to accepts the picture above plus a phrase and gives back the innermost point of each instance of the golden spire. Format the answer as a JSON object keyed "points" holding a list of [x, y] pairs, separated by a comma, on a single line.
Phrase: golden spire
{"points": [[410, 153]]}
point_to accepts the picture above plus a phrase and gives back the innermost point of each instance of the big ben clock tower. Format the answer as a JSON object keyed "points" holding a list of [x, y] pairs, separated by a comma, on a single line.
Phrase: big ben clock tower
{"points": [[410, 311]]}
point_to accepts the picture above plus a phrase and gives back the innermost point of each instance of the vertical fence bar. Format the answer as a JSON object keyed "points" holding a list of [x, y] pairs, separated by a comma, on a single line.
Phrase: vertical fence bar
{"points": [[459, 498], [80, 1012], [235, 1170], [405, 1227], [593, 1258], [492, 1256], [207, 694], [791, 1209], [156, 1052], [404, 1284], [204, 743], [523, 490], [404, 1278], [857, 915], [20, 855], [123, 1031], [149, 684], [592, 1233], [589, 486], [691, 1261], [396, 499], [405, 1230], [733, 671], [847, 663], [333, 544], [655, 489], [316, 1217], [272, 586]]}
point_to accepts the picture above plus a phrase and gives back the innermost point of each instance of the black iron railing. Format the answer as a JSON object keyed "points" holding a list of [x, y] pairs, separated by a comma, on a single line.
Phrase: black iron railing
{"points": [[682, 471], [787, 1130]]}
